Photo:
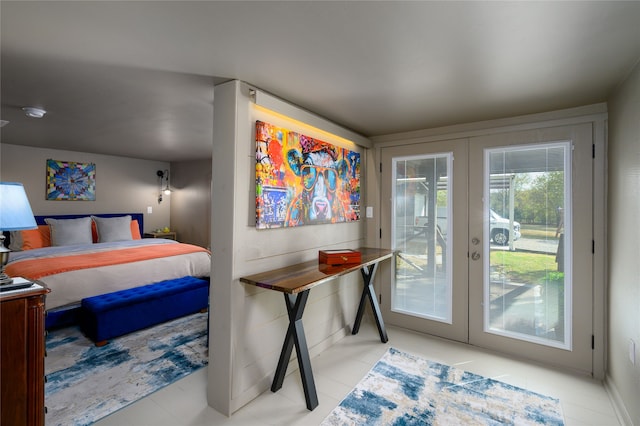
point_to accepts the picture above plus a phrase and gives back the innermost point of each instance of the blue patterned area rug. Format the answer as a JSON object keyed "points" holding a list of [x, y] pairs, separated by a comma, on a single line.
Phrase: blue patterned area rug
{"points": [[403, 389], [86, 383]]}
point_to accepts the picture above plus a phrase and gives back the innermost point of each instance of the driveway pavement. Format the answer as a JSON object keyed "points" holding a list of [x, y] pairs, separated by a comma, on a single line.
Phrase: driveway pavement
{"points": [[534, 245]]}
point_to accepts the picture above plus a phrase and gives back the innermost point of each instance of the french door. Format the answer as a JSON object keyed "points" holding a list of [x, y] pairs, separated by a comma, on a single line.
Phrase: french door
{"points": [[426, 217], [493, 236]]}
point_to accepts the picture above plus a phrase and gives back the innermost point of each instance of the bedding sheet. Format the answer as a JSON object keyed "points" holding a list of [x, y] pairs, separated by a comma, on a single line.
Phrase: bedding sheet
{"points": [[69, 285]]}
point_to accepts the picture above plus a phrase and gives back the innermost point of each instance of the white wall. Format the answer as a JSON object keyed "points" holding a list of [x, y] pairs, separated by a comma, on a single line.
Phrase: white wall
{"points": [[191, 201], [624, 244], [123, 185], [248, 324]]}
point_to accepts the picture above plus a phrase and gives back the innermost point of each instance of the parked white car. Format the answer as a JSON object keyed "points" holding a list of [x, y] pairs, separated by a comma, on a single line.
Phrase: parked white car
{"points": [[498, 226], [499, 229]]}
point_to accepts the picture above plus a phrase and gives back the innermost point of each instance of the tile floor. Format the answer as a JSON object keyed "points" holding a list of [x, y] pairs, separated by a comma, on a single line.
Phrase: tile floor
{"points": [[337, 370]]}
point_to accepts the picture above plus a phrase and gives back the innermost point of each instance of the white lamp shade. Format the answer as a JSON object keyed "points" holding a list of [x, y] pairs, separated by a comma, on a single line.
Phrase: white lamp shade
{"points": [[15, 211]]}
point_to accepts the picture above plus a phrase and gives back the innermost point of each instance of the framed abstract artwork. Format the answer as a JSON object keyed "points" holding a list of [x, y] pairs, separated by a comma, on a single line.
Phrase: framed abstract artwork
{"points": [[69, 181], [303, 181]]}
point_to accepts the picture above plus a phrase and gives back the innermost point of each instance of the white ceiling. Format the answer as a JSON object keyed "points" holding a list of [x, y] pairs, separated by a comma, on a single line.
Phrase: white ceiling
{"points": [[136, 78]]}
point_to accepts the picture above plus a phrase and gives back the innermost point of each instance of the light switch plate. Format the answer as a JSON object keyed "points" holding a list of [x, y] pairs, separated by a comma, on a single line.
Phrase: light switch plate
{"points": [[369, 212]]}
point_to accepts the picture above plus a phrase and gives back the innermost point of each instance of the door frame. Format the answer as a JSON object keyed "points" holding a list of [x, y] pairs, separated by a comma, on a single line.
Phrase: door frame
{"points": [[595, 114]]}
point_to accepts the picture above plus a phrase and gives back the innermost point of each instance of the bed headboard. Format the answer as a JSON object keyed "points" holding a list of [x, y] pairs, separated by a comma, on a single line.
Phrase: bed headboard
{"points": [[134, 216]]}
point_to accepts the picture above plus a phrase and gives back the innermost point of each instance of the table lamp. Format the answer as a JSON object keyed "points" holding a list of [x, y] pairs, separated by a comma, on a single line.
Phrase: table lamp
{"points": [[15, 215]]}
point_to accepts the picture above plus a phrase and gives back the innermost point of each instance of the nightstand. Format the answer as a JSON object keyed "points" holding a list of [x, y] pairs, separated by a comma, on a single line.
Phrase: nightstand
{"points": [[22, 352], [168, 235]]}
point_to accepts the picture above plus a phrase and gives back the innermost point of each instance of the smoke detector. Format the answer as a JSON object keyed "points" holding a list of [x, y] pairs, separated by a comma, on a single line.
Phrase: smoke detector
{"points": [[34, 112]]}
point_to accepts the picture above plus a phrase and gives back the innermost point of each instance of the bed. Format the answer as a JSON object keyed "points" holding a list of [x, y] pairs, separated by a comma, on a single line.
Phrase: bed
{"points": [[113, 257]]}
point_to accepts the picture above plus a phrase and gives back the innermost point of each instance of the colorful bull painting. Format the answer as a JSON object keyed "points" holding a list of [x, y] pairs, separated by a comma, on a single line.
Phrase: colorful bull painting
{"points": [[303, 181]]}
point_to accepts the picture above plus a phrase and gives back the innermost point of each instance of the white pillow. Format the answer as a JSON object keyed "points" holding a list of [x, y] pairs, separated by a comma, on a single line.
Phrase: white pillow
{"points": [[16, 242], [113, 228], [66, 232]]}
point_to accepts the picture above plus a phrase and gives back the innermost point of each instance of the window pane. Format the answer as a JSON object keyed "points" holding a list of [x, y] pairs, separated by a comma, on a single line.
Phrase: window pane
{"points": [[525, 278], [421, 228]]}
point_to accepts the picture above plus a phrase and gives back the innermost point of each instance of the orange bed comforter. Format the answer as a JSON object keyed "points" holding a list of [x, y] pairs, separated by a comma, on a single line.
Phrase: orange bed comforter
{"points": [[37, 268], [85, 271]]}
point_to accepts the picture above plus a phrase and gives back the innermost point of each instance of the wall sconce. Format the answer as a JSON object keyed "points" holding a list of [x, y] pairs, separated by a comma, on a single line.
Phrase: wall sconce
{"points": [[166, 190]]}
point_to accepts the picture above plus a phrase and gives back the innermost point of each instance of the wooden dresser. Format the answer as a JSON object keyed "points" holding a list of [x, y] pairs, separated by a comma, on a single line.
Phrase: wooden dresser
{"points": [[22, 352]]}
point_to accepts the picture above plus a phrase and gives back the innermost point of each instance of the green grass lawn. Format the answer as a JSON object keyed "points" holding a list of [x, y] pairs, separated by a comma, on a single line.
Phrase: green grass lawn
{"points": [[537, 231], [524, 267]]}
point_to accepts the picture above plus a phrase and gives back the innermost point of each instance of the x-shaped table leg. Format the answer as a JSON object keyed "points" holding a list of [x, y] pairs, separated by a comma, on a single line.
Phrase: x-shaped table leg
{"points": [[368, 274], [295, 336]]}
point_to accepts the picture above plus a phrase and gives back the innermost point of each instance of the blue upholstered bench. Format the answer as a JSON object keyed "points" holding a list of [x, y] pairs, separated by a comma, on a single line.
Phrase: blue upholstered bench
{"points": [[110, 315]]}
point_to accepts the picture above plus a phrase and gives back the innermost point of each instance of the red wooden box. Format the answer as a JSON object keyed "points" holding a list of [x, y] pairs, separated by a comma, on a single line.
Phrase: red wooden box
{"points": [[339, 256]]}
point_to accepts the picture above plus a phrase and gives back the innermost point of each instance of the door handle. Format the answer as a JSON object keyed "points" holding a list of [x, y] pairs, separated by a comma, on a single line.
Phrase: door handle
{"points": [[475, 255], [475, 241]]}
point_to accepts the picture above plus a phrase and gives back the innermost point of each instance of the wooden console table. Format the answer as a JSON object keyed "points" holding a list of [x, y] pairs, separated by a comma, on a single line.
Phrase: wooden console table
{"points": [[295, 282]]}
